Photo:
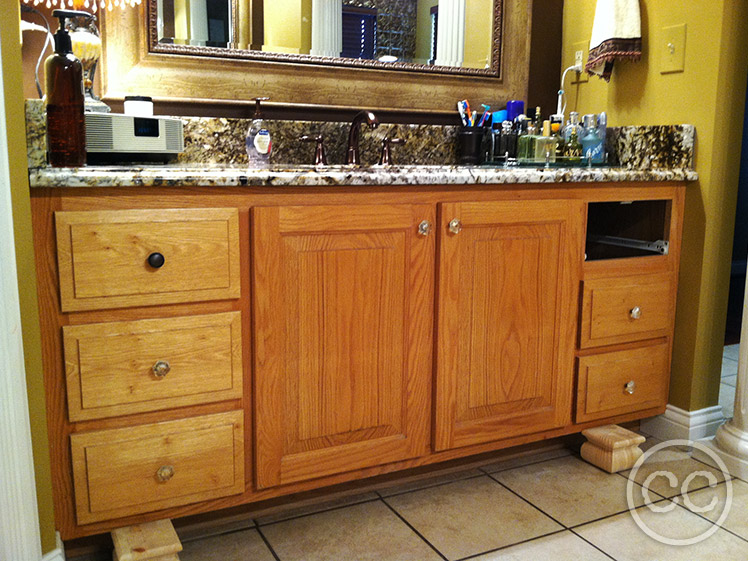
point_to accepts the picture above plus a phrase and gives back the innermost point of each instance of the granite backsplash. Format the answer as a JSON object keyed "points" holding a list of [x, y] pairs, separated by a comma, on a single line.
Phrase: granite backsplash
{"points": [[221, 141]]}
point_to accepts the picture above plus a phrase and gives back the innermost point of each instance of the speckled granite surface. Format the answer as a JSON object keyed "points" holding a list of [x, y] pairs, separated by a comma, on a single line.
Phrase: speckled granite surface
{"points": [[214, 155], [219, 175]]}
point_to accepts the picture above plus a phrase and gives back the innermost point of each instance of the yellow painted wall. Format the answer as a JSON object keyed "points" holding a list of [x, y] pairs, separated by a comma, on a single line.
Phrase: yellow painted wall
{"points": [[288, 26], [478, 33], [709, 94], [423, 30], [14, 114]]}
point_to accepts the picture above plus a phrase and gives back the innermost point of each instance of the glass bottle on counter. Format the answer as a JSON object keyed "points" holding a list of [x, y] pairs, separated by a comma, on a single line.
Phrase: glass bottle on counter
{"points": [[526, 143], [573, 148], [572, 125], [545, 145], [592, 145]]}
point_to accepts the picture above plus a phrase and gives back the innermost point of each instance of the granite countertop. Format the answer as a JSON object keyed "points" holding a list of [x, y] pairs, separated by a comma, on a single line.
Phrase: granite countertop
{"points": [[205, 175]]}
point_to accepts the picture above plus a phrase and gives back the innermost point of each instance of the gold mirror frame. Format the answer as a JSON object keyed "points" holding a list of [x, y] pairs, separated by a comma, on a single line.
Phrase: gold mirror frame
{"points": [[131, 67], [493, 71]]}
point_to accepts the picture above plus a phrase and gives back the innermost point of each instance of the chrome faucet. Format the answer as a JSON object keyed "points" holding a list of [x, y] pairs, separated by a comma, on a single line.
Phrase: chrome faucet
{"points": [[352, 156]]}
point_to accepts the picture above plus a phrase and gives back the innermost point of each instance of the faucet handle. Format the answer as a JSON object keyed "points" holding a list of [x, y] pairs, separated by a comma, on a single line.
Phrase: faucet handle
{"points": [[320, 158], [385, 158]]}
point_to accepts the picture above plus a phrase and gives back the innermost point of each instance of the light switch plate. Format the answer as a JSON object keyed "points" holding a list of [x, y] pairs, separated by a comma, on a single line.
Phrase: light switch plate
{"points": [[673, 49], [583, 46]]}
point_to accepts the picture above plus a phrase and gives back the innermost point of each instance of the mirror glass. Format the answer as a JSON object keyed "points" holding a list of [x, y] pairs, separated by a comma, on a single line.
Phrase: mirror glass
{"points": [[438, 35]]}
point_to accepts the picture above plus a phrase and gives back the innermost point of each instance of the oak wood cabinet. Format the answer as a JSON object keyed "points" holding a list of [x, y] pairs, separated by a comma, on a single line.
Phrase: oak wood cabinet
{"points": [[299, 338], [507, 290]]}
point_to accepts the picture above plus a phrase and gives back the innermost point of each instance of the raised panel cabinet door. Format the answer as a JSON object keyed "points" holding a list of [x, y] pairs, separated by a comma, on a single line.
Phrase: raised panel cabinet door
{"points": [[508, 278], [343, 335]]}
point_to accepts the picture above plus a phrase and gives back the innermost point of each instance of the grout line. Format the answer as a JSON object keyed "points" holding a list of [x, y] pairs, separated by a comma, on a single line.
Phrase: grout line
{"points": [[329, 509], [417, 533], [576, 526], [679, 503], [528, 502], [267, 544], [441, 484], [593, 545], [512, 545]]}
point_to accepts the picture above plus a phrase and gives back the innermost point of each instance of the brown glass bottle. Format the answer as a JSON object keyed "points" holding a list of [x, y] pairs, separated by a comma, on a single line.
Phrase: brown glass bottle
{"points": [[66, 128]]}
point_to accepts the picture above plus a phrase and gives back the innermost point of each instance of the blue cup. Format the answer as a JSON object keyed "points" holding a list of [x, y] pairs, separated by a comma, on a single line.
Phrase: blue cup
{"points": [[513, 108]]}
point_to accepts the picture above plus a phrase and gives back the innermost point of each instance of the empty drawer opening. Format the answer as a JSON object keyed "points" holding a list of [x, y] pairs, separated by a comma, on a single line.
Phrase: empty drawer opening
{"points": [[627, 229]]}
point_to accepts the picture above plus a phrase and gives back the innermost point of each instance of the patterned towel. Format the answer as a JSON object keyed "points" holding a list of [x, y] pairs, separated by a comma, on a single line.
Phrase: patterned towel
{"points": [[616, 34]]}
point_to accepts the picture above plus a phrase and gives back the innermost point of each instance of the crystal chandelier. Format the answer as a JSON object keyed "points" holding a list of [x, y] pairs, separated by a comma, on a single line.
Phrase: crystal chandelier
{"points": [[92, 5]]}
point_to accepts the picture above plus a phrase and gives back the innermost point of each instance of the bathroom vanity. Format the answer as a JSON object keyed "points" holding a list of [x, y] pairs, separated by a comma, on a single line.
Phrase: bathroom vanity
{"points": [[214, 337]]}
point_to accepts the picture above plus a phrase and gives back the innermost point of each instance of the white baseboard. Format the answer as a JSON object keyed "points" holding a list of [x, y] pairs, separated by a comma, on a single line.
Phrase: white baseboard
{"points": [[677, 423], [57, 554]]}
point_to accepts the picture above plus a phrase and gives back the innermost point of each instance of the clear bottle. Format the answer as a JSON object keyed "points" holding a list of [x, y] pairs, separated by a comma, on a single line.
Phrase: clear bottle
{"points": [[66, 126], [602, 128], [573, 148], [258, 142], [545, 146], [572, 125], [526, 143], [592, 145]]}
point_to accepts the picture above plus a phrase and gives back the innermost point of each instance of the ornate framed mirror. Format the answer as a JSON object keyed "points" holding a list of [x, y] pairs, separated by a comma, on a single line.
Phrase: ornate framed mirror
{"points": [[165, 51]]}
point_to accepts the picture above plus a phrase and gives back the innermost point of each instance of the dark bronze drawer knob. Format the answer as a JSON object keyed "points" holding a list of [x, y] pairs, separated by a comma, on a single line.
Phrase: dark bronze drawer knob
{"points": [[156, 260]]}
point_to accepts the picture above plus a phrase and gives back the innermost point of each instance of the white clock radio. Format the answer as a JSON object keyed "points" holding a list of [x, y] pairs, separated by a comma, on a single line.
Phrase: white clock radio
{"points": [[115, 138]]}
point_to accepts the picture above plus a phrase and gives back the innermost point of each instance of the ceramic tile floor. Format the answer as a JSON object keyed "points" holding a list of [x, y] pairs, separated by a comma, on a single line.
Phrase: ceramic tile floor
{"points": [[553, 507], [727, 383]]}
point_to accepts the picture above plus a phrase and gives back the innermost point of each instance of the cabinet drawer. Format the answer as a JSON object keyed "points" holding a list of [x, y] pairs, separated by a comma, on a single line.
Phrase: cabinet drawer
{"points": [[120, 472], [135, 366], [626, 309], [103, 257], [622, 382]]}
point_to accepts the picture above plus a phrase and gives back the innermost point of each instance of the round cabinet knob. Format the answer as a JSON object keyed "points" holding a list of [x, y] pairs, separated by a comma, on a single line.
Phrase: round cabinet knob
{"points": [[164, 473], [455, 226], [424, 228], [635, 313], [161, 369], [630, 387], [156, 260]]}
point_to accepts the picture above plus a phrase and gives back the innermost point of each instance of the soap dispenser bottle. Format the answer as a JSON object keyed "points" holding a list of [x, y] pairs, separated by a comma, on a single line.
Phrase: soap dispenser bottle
{"points": [[66, 128], [258, 141]]}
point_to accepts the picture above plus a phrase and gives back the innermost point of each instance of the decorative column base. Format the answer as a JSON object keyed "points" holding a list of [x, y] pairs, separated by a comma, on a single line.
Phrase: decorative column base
{"points": [[736, 465], [152, 541], [611, 448]]}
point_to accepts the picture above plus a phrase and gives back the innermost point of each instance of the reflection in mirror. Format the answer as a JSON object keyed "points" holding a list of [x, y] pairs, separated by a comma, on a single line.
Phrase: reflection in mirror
{"points": [[201, 23], [446, 33]]}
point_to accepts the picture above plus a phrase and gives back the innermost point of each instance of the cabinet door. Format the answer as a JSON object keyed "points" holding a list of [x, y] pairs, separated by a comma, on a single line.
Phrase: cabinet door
{"points": [[343, 327], [505, 330]]}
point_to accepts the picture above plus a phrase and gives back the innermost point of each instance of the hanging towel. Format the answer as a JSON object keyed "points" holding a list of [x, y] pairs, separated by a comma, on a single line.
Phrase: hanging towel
{"points": [[616, 35]]}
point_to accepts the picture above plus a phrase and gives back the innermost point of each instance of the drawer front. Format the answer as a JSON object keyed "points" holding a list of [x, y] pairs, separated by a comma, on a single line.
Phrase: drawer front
{"points": [[104, 263], [135, 366], [622, 382], [626, 309], [120, 472]]}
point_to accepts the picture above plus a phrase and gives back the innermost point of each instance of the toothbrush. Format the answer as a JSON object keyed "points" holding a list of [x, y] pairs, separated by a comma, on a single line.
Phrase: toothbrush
{"points": [[461, 111]]}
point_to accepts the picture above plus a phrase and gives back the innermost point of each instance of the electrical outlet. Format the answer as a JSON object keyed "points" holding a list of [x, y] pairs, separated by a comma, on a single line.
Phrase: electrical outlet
{"points": [[581, 52], [579, 58], [673, 49]]}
